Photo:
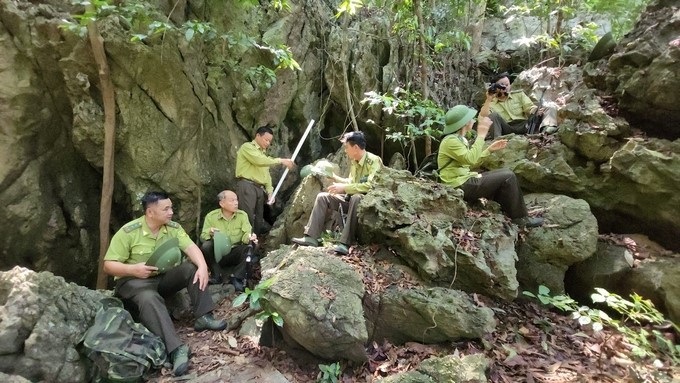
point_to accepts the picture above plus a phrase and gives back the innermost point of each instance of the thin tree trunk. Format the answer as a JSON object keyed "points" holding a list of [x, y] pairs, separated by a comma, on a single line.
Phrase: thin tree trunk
{"points": [[424, 73], [476, 25], [345, 70], [97, 45]]}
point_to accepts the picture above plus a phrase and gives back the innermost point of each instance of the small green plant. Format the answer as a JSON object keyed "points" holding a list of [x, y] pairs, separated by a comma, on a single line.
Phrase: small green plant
{"points": [[638, 311], [257, 300], [329, 373]]}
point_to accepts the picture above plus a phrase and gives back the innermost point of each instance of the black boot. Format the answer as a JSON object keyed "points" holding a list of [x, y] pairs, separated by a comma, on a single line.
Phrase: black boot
{"points": [[239, 284]]}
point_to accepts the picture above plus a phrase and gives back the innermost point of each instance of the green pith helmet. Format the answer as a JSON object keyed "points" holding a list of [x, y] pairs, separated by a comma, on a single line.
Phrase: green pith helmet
{"points": [[322, 168], [457, 117], [305, 171], [221, 245], [166, 256]]}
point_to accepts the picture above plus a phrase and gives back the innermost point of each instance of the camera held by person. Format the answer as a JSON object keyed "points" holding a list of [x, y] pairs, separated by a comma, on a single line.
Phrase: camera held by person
{"points": [[497, 88]]}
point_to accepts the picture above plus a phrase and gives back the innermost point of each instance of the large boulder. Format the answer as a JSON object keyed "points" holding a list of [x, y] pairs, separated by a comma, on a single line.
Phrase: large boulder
{"points": [[430, 315], [429, 226], [568, 236], [614, 269], [42, 319], [319, 298], [642, 72]]}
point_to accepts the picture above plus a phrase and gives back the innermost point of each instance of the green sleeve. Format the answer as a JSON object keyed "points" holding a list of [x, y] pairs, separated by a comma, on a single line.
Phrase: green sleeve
{"points": [[183, 237], [119, 248], [207, 224], [455, 149], [257, 157], [527, 104], [247, 229]]}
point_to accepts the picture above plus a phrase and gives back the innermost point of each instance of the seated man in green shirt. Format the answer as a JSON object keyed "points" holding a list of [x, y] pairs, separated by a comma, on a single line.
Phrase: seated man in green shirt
{"points": [[142, 285], [345, 192], [456, 157], [254, 184], [234, 223], [511, 110]]}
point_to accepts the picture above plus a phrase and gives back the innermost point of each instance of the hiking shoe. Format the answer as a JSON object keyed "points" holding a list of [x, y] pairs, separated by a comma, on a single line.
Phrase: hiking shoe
{"points": [[528, 222], [180, 360], [239, 284], [341, 249], [208, 322], [306, 241]]}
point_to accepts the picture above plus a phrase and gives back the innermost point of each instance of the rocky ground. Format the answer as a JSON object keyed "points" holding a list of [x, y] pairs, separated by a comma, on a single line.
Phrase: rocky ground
{"points": [[531, 344]]}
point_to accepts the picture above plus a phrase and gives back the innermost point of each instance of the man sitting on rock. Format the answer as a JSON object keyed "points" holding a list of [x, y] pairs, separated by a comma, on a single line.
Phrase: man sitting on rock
{"points": [[345, 192], [143, 285], [456, 156], [233, 223], [512, 109]]}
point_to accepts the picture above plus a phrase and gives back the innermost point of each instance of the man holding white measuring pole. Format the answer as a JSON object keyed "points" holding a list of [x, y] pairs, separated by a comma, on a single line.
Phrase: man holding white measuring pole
{"points": [[345, 193], [254, 181]]}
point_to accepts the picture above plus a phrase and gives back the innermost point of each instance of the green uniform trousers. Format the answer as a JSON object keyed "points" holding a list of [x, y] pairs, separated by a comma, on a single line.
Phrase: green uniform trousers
{"points": [[147, 296]]}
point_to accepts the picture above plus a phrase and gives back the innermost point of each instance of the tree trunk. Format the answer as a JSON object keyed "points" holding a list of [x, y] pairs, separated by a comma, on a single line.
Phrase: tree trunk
{"points": [[424, 73], [97, 45], [476, 25], [345, 71]]}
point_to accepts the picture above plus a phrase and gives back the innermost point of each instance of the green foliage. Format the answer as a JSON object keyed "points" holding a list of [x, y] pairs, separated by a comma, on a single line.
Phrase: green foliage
{"points": [[638, 311], [146, 23], [622, 13], [330, 373], [421, 117], [257, 301], [349, 6]]}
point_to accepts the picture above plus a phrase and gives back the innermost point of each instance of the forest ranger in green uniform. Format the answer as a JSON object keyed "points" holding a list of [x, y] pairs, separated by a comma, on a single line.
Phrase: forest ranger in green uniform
{"points": [[141, 285]]}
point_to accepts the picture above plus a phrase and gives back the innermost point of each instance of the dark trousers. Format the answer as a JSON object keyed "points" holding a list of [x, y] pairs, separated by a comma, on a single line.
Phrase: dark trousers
{"points": [[251, 199], [236, 257], [499, 185], [327, 203], [148, 296], [501, 127]]}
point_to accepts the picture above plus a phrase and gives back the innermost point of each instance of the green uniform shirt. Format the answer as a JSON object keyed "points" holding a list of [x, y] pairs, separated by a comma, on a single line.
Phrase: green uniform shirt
{"points": [[454, 149], [516, 107], [237, 228], [253, 164], [361, 174], [134, 243]]}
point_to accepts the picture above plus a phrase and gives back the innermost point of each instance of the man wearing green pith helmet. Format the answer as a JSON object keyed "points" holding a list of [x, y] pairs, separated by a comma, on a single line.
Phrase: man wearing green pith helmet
{"points": [[456, 157]]}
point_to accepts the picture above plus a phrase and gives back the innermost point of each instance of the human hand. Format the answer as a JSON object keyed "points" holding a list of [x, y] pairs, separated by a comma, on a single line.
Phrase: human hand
{"points": [[253, 238], [213, 230], [287, 162], [201, 277], [270, 199], [142, 270], [497, 145], [483, 126], [337, 188]]}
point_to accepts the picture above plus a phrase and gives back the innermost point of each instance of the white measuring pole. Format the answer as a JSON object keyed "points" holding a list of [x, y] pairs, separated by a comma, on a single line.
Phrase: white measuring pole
{"points": [[295, 153]]}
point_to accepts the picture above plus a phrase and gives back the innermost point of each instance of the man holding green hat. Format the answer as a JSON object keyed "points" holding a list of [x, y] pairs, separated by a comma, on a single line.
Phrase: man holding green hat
{"points": [[456, 157], [144, 287], [233, 223]]}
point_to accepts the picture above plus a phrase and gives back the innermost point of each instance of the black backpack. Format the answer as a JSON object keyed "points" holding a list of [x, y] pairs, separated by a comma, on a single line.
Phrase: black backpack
{"points": [[119, 349], [429, 169]]}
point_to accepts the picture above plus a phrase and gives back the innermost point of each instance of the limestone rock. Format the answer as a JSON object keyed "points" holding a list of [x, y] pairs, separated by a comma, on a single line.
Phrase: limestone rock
{"points": [[42, 319], [319, 298], [430, 315], [568, 236], [429, 226], [450, 368]]}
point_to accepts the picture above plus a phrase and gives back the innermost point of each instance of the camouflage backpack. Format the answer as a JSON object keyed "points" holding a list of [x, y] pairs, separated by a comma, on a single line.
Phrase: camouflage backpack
{"points": [[120, 349]]}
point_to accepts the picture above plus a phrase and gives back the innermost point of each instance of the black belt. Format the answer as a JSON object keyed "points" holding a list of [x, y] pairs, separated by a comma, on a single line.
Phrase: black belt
{"points": [[251, 182]]}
